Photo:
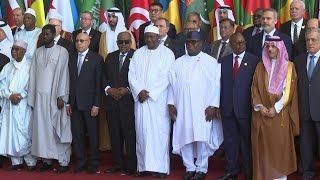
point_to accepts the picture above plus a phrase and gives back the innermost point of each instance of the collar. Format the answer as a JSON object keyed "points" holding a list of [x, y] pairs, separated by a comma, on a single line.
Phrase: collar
{"points": [[299, 23], [239, 55], [317, 55], [21, 27], [56, 39], [227, 41], [164, 38], [125, 54], [270, 33], [88, 31], [17, 64], [84, 53]]}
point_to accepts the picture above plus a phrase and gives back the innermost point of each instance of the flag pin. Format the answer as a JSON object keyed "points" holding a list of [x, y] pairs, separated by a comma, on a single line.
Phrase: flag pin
{"points": [[245, 64]]}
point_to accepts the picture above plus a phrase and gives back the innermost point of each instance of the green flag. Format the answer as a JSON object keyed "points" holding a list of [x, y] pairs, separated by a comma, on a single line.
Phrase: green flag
{"points": [[199, 6], [89, 5], [124, 6]]}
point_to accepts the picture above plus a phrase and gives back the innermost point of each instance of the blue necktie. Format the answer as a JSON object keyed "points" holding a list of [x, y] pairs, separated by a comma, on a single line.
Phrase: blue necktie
{"points": [[311, 67], [80, 61]]}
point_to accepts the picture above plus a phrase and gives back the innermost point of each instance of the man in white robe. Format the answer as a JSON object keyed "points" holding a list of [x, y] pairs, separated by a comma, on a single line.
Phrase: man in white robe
{"points": [[30, 33], [148, 80], [15, 131], [194, 96], [48, 95], [6, 39]]}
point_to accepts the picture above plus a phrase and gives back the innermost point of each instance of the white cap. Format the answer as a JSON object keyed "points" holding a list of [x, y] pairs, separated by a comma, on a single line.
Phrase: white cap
{"points": [[152, 29], [31, 11], [22, 44], [54, 14]]}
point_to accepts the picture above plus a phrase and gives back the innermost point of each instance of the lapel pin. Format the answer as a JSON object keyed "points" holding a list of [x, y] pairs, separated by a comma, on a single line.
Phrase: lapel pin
{"points": [[245, 64], [130, 59], [86, 59]]}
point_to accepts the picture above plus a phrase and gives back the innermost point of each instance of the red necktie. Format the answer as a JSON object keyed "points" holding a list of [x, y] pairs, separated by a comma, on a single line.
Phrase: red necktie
{"points": [[235, 67]]}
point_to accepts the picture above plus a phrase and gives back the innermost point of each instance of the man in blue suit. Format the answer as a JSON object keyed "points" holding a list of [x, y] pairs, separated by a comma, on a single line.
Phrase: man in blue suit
{"points": [[237, 70], [269, 20]]}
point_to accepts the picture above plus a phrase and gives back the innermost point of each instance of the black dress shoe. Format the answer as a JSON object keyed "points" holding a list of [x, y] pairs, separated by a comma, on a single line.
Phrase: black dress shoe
{"points": [[228, 177], [112, 170], [79, 169], [45, 167], [31, 168], [15, 167], [93, 170], [189, 175], [159, 175], [141, 174], [61, 169], [199, 176], [130, 173]]}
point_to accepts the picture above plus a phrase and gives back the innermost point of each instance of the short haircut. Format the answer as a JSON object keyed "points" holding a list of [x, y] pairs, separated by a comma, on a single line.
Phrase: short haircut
{"points": [[275, 13], [164, 19], [125, 32], [195, 14], [317, 30], [301, 2], [156, 4], [88, 12], [228, 20], [52, 28]]}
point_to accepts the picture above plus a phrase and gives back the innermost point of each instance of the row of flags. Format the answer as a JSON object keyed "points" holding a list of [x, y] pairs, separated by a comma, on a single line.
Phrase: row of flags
{"points": [[136, 11]]}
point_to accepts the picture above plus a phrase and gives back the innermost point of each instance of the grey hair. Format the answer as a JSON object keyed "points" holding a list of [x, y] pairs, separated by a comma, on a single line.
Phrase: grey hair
{"points": [[275, 13], [317, 30], [301, 2]]}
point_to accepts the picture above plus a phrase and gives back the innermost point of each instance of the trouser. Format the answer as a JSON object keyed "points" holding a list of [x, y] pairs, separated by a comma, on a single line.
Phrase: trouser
{"points": [[188, 153], [29, 159]]}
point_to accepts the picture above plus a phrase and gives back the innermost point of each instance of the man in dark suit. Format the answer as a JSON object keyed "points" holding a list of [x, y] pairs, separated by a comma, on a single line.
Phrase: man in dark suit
{"points": [[85, 68], [221, 48], [17, 15], [155, 12], [296, 28], [86, 21], [237, 71], [269, 20], [119, 105], [256, 28], [308, 71]]}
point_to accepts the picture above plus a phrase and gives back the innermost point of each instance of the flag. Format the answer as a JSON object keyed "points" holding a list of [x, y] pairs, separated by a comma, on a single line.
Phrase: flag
{"points": [[171, 12], [89, 5], [138, 15], [124, 6], [182, 8], [104, 6], [310, 8], [12, 4], [199, 6], [68, 10], [38, 7], [1, 11]]}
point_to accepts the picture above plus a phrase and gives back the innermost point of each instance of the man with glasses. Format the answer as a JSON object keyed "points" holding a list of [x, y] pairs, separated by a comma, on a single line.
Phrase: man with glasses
{"points": [[86, 22], [237, 70], [48, 94], [256, 28], [296, 27], [221, 48], [119, 105], [194, 96], [155, 11], [17, 15], [148, 80]]}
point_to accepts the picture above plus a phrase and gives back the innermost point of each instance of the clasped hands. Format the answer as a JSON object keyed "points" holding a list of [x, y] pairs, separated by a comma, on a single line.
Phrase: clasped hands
{"points": [[271, 112], [117, 93], [15, 98], [210, 112], [143, 95]]}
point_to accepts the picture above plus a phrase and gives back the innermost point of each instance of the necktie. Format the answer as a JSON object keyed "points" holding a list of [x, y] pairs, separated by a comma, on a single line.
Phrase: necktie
{"points": [[19, 29], [161, 41], [121, 59], [257, 31], [224, 44], [295, 34], [235, 67], [80, 61], [311, 67], [265, 38]]}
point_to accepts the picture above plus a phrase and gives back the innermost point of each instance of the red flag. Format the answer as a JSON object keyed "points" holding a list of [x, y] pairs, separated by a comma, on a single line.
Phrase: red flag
{"points": [[219, 3], [138, 15]]}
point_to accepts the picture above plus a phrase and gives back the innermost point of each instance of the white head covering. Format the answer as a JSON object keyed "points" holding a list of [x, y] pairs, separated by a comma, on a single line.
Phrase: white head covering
{"points": [[111, 39], [6, 44], [22, 44], [230, 16], [31, 11], [54, 14], [152, 29]]}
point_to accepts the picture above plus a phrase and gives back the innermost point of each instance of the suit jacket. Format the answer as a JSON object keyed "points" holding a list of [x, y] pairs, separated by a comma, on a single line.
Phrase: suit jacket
{"points": [[14, 30], [115, 79], [171, 33], [309, 90], [236, 94], [215, 49], [66, 44], [85, 89], [94, 39], [247, 33], [254, 46], [3, 60], [174, 46], [300, 46]]}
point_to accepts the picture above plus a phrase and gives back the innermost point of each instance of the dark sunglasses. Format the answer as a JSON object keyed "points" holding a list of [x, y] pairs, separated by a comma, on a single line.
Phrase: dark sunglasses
{"points": [[193, 42], [123, 42]]}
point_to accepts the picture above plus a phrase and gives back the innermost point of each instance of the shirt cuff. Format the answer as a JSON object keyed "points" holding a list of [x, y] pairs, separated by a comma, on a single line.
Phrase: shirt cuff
{"points": [[67, 105], [257, 107], [105, 90]]}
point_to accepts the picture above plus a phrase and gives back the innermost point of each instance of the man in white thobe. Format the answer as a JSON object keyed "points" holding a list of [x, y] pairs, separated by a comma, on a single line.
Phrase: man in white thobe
{"points": [[148, 80], [30, 33], [48, 94], [15, 131], [194, 96]]}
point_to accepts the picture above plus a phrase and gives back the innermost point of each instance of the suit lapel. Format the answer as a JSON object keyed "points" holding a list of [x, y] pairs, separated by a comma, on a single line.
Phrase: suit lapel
{"points": [[84, 63], [216, 48], [316, 68]]}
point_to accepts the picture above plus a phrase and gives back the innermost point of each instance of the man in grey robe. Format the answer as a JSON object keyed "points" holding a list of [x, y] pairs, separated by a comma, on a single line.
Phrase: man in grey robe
{"points": [[48, 95]]}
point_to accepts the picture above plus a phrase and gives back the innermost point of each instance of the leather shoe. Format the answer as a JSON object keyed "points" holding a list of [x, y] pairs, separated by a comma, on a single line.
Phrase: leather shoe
{"points": [[45, 167], [61, 169], [141, 174], [79, 169], [228, 177], [112, 170], [130, 173], [15, 167], [199, 176], [93, 170], [31, 168], [189, 175], [159, 175]]}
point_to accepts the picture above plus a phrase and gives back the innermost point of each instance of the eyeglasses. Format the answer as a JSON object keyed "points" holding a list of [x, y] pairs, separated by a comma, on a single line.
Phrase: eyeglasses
{"points": [[241, 43], [81, 40], [193, 42], [123, 42], [15, 49], [85, 19], [156, 11], [257, 16]]}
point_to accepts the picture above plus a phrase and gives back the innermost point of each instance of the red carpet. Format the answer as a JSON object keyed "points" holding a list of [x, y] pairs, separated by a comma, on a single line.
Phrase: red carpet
{"points": [[216, 169]]}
